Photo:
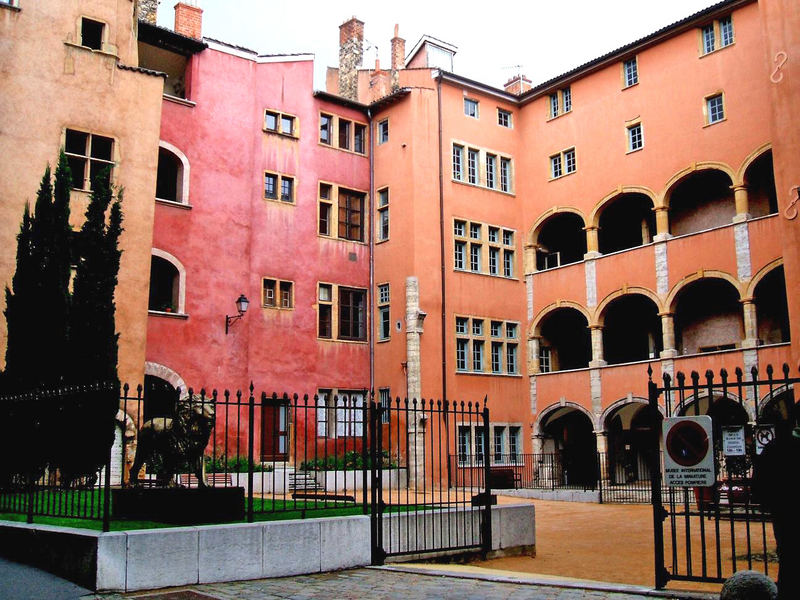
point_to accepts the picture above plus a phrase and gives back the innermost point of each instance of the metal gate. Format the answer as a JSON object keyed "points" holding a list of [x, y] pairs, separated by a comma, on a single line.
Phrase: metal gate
{"points": [[413, 508], [708, 533]]}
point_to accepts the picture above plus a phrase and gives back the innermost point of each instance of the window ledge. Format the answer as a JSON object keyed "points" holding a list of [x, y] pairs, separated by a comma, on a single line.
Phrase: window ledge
{"points": [[10, 7], [173, 203], [562, 176], [501, 277], [345, 150], [169, 315], [715, 50], [558, 116], [340, 341], [279, 201], [489, 374], [481, 187], [562, 371], [177, 100], [722, 120], [338, 239], [627, 87], [290, 136], [635, 151], [92, 50]]}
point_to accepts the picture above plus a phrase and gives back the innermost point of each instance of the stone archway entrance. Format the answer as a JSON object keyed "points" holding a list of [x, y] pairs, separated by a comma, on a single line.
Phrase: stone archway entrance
{"points": [[569, 434]]}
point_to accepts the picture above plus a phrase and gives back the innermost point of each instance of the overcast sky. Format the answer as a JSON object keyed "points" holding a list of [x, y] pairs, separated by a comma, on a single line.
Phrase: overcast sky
{"points": [[495, 40]]}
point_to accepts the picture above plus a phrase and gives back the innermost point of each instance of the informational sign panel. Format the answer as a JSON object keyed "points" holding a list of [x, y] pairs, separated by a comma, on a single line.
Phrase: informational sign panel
{"points": [[733, 443], [688, 451], [764, 435]]}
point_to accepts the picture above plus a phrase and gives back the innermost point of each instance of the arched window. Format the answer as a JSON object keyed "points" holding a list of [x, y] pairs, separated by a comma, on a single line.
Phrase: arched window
{"points": [[626, 222], [701, 201], [167, 283], [708, 317], [772, 309], [632, 330], [172, 179], [561, 241], [760, 182]]}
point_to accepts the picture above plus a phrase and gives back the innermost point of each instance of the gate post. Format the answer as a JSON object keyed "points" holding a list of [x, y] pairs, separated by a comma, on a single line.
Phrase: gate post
{"points": [[251, 410], [486, 530], [655, 493], [377, 553]]}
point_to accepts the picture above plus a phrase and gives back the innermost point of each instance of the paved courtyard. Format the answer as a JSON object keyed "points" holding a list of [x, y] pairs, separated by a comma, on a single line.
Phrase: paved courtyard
{"points": [[375, 584]]}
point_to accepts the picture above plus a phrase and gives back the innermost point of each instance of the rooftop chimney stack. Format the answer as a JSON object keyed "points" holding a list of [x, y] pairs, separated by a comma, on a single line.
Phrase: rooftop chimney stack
{"points": [[517, 85], [398, 57], [147, 11], [189, 19], [351, 53]]}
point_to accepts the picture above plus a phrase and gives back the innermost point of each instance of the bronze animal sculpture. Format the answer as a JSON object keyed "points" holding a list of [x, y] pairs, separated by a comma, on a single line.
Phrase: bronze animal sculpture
{"points": [[176, 441]]}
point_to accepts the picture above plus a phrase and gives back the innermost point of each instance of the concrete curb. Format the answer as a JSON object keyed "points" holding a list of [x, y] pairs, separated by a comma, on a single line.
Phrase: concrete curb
{"points": [[545, 581]]}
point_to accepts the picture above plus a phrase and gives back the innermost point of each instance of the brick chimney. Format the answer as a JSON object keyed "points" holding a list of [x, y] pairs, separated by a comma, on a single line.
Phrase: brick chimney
{"points": [[189, 19], [517, 85], [147, 10], [351, 53], [398, 56]]}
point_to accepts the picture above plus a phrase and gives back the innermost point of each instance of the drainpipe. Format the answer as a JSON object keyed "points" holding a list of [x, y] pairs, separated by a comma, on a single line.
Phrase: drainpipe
{"points": [[441, 238], [371, 251]]}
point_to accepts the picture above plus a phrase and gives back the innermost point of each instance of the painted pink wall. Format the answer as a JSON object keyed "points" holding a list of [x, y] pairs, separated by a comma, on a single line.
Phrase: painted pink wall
{"points": [[232, 236]]}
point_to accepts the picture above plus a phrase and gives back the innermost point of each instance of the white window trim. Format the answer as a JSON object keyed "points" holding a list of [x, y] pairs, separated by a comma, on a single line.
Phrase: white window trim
{"points": [[184, 175], [181, 278]]}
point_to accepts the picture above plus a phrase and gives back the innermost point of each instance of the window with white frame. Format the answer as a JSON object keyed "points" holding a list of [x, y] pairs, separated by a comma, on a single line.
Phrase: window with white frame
{"points": [[89, 156], [276, 293], [630, 72], [383, 215], [383, 131], [471, 108], [340, 413], [715, 109], [278, 186], [562, 163], [341, 212], [278, 122], [635, 137], [481, 168], [473, 338], [545, 359], [384, 323], [491, 248], [504, 118], [560, 102], [716, 35]]}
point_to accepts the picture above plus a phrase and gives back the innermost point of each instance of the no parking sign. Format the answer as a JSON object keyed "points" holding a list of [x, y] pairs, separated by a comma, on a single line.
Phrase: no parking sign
{"points": [[688, 451]]}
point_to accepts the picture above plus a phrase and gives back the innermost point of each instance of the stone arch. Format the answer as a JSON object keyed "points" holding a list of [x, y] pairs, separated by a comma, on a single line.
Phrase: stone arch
{"points": [[616, 405], [750, 290], [533, 330], [181, 295], [533, 234], [683, 408], [545, 413], [167, 374], [183, 174], [670, 302], [664, 197], [749, 160], [594, 216], [771, 395], [626, 291]]}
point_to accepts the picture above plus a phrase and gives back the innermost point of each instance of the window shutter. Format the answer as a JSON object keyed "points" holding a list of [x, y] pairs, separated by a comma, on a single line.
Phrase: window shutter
{"points": [[321, 415]]}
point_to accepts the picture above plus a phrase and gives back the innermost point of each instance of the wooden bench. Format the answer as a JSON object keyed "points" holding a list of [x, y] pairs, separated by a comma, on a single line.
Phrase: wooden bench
{"points": [[504, 478], [189, 480], [323, 496]]}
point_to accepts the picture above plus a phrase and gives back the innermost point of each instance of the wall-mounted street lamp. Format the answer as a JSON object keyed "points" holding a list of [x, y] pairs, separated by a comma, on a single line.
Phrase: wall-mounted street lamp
{"points": [[241, 305]]}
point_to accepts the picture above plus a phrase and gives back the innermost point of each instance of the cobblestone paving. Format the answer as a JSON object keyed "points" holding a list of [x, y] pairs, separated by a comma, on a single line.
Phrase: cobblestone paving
{"points": [[374, 584]]}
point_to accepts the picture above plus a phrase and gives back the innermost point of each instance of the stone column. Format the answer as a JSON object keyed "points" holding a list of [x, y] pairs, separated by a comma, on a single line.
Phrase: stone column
{"points": [[750, 323], [533, 355], [662, 224], [529, 259], [416, 427], [597, 346], [740, 197], [602, 449], [592, 242], [668, 335]]}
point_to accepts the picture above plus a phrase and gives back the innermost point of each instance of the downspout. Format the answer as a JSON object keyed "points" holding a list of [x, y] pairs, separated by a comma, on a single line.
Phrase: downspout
{"points": [[441, 238], [371, 251]]}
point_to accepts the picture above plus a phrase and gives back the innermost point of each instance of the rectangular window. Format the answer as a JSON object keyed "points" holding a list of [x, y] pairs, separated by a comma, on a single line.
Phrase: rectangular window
{"points": [[555, 166], [631, 72], [508, 237], [497, 357], [505, 175], [384, 325], [472, 166], [270, 186], [496, 329], [477, 355], [279, 187], [635, 138], [508, 263], [92, 34], [477, 327], [464, 435], [351, 213], [560, 102], [325, 129], [494, 260], [493, 234], [89, 156], [383, 131], [475, 231], [385, 400], [511, 330], [475, 258], [325, 208], [271, 121], [287, 124], [503, 118], [352, 314], [498, 443], [725, 32], [491, 166], [287, 189], [545, 365], [554, 105], [514, 442], [716, 35], [471, 346], [461, 354], [462, 324], [569, 161], [708, 39], [325, 309], [480, 445], [458, 162], [459, 256], [277, 294], [277, 122], [511, 359], [459, 228], [360, 138], [715, 110], [344, 134], [566, 96], [471, 108], [383, 215]]}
